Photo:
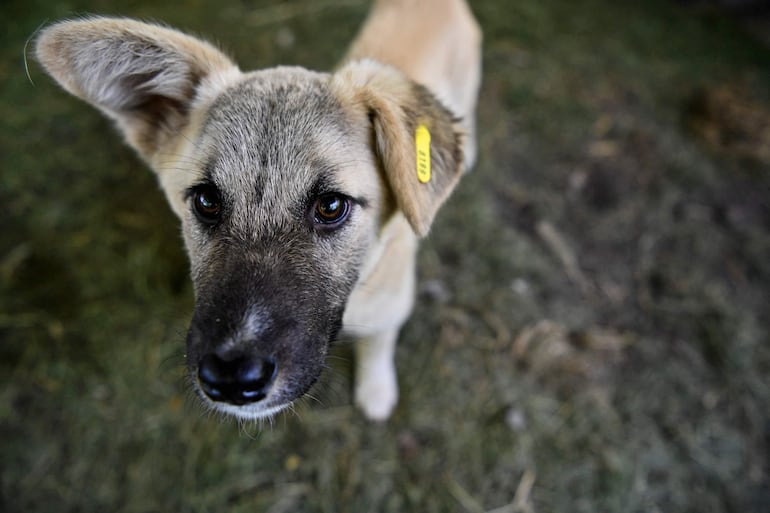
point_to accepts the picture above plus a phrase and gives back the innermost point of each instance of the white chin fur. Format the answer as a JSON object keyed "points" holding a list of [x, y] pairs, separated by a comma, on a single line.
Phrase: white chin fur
{"points": [[247, 412]]}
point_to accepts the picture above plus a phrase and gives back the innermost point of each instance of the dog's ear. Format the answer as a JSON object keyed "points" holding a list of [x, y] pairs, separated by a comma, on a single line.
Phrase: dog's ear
{"points": [[417, 141], [143, 76]]}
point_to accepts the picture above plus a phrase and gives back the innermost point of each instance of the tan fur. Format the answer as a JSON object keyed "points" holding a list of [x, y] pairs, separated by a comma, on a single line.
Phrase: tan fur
{"points": [[415, 62], [200, 70], [437, 43], [397, 108]]}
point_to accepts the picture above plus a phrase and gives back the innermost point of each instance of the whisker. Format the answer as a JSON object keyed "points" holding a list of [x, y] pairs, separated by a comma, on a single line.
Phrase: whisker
{"points": [[26, 46]]}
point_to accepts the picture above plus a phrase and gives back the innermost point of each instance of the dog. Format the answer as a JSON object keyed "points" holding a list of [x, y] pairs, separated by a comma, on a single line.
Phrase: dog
{"points": [[302, 195]]}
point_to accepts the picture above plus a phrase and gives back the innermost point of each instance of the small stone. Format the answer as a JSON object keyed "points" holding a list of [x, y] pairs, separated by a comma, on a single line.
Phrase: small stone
{"points": [[516, 419]]}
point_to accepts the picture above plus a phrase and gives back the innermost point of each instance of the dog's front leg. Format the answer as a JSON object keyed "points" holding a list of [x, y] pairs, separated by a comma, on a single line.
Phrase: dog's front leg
{"points": [[376, 389]]}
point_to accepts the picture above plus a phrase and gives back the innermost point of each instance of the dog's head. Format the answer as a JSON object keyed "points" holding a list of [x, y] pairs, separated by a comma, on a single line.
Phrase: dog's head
{"points": [[282, 179]]}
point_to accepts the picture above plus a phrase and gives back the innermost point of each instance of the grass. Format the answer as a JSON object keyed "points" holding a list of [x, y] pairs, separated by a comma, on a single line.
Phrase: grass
{"points": [[592, 325]]}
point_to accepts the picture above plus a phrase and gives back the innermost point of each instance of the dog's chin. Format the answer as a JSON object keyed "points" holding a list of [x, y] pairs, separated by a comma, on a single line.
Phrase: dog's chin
{"points": [[255, 412]]}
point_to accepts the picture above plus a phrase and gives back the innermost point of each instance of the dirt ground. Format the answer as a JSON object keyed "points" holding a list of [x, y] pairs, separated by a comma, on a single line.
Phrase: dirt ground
{"points": [[592, 332]]}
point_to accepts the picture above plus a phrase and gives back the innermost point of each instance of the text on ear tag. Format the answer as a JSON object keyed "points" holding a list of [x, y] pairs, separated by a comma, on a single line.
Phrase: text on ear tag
{"points": [[422, 146]]}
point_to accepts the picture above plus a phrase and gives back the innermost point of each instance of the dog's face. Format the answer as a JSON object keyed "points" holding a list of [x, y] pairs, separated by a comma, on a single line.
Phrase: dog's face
{"points": [[277, 222], [282, 179]]}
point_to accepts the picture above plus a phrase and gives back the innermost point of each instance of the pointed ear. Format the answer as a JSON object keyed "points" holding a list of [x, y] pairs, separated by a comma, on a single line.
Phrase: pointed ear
{"points": [[402, 112], [143, 76]]}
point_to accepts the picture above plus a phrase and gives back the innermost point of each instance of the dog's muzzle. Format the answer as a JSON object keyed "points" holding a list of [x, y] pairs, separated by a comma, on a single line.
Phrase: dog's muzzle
{"points": [[258, 340]]}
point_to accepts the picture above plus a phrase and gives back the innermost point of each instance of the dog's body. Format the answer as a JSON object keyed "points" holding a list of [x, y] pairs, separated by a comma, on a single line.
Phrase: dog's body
{"points": [[298, 191]]}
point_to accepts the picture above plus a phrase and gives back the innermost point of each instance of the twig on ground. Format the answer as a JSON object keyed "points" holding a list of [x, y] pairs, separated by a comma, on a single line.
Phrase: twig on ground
{"points": [[563, 252], [521, 502], [462, 496]]}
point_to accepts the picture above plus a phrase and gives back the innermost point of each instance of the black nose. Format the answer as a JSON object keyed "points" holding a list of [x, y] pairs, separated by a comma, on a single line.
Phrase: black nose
{"points": [[241, 380]]}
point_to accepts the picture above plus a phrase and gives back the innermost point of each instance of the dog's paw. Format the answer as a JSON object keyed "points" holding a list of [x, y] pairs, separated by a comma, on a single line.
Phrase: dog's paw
{"points": [[377, 394]]}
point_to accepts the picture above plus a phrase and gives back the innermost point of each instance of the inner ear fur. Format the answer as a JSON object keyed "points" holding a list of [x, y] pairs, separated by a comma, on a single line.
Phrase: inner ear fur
{"points": [[396, 106], [145, 77]]}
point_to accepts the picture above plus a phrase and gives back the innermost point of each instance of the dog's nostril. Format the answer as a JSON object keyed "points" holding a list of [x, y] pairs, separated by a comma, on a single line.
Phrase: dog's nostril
{"points": [[242, 380], [255, 375]]}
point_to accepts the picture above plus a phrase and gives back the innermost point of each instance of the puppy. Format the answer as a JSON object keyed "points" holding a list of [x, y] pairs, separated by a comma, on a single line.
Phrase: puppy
{"points": [[301, 194]]}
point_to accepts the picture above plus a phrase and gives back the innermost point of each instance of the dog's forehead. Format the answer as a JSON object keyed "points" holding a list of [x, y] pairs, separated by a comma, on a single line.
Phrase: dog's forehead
{"points": [[278, 126]]}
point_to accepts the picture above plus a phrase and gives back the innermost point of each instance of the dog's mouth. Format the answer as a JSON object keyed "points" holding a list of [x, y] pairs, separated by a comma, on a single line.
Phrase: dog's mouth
{"points": [[250, 412], [245, 386], [250, 402], [251, 386]]}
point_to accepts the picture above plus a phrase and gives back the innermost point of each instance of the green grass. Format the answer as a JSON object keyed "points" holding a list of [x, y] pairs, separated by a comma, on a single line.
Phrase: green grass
{"points": [[637, 380]]}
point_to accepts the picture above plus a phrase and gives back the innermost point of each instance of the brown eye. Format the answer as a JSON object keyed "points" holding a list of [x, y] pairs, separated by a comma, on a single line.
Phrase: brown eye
{"points": [[331, 210], [207, 204]]}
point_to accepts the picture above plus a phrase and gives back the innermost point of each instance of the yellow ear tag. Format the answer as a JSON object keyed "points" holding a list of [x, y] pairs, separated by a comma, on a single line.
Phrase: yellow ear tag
{"points": [[422, 145]]}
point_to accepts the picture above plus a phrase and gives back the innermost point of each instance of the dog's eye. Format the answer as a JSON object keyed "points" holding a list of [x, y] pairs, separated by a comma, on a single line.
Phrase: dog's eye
{"points": [[331, 210], [207, 203]]}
